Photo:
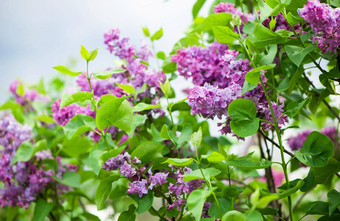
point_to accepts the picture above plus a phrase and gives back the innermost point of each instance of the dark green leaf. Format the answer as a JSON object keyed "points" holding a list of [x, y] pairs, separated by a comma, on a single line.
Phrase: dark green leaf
{"points": [[78, 125], [70, 178], [147, 151], [244, 121], [316, 150], [334, 200], [42, 209], [128, 215], [296, 53], [294, 107], [144, 202]]}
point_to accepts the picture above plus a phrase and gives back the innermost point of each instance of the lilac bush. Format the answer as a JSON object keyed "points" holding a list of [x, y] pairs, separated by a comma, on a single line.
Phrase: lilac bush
{"points": [[123, 140]]}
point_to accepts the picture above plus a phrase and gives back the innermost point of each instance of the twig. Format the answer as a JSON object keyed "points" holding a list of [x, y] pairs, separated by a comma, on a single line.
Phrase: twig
{"points": [[275, 144], [299, 200]]}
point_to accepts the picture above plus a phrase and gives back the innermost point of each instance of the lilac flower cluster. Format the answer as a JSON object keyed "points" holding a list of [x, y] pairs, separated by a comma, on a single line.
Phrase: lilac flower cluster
{"points": [[28, 96], [137, 71], [230, 8], [325, 23], [296, 142], [22, 181], [132, 169], [65, 114], [219, 77], [176, 190]]}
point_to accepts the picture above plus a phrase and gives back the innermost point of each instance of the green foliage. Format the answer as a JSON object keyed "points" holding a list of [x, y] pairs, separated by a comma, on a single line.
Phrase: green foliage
{"points": [[243, 113]]}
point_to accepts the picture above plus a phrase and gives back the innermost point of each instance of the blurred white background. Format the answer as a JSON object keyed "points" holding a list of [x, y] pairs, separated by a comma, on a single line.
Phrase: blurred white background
{"points": [[37, 35]]}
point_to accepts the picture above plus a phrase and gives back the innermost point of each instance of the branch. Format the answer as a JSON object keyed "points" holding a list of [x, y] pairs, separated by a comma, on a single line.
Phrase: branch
{"points": [[275, 144]]}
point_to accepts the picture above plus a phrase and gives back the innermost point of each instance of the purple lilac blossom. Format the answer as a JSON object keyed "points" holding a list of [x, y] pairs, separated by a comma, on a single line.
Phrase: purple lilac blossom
{"points": [[224, 82], [22, 181], [230, 8], [296, 142], [27, 97], [325, 23], [139, 187], [65, 114]]}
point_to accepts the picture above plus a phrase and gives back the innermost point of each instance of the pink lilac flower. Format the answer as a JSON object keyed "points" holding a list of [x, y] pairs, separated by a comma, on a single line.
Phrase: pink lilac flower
{"points": [[230, 8], [65, 114], [325, 23], [27, 97]]}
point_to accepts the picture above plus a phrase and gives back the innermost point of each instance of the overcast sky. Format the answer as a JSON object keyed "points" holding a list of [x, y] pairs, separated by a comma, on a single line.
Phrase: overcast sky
{"points": [[37, 35]]}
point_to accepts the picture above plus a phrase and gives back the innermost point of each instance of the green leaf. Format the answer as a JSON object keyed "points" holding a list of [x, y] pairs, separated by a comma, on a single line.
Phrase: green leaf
{"points": [[143, 106], [70, 178], [144, 203], [248, 87], [244, 121], [146, 31], [16, 109], [263, 36], [24, 152], [316, 150], [158, 34], [94, 157], [197, 174], [166, 89], [334, 200], [147, 151], [93, 54], [269, 58], [20, 89], [296, 53], [196, 201], [104, 189], [335, 3], [76, 146], [185, 134], [225, 205], [220, 19], [78, 125], [161, 55], [234, 215], [224, 34], [253, 215], [324, 174], [197, 7], [128, 215], [179, 162], [68, 99], [248, 164], [42, 209], [127, 88], [196, 138], [294, 107], [115, 112], [65, 70], [215, 157], [84, 53], [107, 74], [253, 76], [318, 207], [44, 118]]}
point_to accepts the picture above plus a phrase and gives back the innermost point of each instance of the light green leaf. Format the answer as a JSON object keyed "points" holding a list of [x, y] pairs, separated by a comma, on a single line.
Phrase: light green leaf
{"points": [[296, 53], [70, 178], [197, 7], [144, 203], [127, 88], [224, 35], [197, 174], [68, 99], [147, 151], [107, 74], [24, 152], [248, 164], [179, 162], [93, 54], [158, 34], [84, 53], [234, 215], [143, 106], [220, 19], [104, 189], [196, 201], [215, 157], [253, 76], [196, 138], [65, 70], [146, 31], [78, 125]]}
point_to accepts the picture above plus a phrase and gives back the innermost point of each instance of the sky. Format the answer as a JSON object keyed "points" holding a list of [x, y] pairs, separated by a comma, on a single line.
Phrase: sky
{"points": [[37, 35]]}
